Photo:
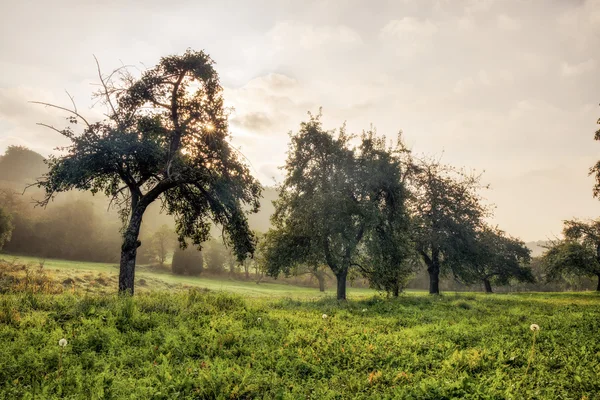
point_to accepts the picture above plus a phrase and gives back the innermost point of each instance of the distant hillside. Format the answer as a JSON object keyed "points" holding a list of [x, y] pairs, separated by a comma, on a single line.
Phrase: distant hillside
{"points": [[21, 165], [537, 248]]}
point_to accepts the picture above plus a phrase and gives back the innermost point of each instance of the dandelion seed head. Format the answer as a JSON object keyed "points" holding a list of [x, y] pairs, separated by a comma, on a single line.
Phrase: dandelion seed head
{"points": [[534, 327], [324, 316], [259, 320], [62, 342]]}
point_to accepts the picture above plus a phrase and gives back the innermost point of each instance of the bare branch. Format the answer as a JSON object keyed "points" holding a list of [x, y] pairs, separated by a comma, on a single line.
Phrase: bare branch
{"points": [[64, 109], [72, 101], [106, 93], [51, 127]]}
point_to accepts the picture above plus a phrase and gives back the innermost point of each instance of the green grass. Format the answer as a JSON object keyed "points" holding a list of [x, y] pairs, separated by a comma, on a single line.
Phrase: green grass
{"points": [[163, 281], [169, 342], [206, 345]]}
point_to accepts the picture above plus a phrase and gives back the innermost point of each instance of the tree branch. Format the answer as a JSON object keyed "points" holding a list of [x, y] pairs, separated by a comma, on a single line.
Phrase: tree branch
{"points": [[64, 109]]}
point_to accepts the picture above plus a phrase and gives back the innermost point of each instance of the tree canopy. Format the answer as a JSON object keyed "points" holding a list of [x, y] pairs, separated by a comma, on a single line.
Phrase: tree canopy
{"points": [[333, 196], [447, 213], [165, 137], [496, 258], [577, 254]]}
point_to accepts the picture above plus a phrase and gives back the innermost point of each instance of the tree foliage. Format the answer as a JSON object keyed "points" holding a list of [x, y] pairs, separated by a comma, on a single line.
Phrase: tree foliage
{"points": [[496, 258], [187, 262], [20, 164], [332, 196], [387, 257], [165, 138], [447, 213], [577, 254]]}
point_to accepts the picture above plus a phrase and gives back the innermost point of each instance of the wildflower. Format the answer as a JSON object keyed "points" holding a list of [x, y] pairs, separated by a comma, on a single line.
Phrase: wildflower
{"points": [[364, 310], [62, 342], [259, 320], [534, 328], [324, 316]]}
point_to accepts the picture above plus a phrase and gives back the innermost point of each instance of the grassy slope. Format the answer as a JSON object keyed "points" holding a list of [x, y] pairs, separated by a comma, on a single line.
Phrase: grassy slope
{"points": [[213, 345], [64, 269]]}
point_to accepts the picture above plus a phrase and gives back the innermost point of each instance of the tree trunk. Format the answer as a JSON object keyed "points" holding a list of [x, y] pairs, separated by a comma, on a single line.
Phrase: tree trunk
{"points": [[396, 290], [488, 286], [434, 280], [129, 252], [598, 287], [433, 268], [321, 279], [341, 284]]}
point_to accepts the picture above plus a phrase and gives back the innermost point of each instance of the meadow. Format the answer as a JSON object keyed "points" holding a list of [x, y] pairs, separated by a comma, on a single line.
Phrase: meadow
{"points": [[93, 277], [200, 343]]}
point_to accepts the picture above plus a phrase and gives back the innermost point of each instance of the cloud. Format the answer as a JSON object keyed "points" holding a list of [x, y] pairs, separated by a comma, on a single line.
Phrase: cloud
{"points": [[308, 37], [507, 23], [464, 85], [253, 121], [16, 106], [408, 37], [19, 118], [581, 24], [273, 82], [570, 70], [408, 27]]}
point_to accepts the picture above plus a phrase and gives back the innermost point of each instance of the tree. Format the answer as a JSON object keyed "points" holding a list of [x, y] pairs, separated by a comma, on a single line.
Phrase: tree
{"points": [[164, 138], [497, 258], [21, 165], [578, 254], [6, 227], [328, 202], [161, 243], [447, 213], [216, 256], [387, 255], [187, 262]]}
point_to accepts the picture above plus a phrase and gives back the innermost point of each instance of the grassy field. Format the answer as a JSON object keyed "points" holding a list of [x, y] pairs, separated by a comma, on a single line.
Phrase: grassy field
{"points": [[201, 344], [84, 274]]}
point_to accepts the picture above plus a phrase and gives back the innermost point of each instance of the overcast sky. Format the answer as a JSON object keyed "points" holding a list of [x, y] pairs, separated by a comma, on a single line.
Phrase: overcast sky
{"points": [[506, 87]]}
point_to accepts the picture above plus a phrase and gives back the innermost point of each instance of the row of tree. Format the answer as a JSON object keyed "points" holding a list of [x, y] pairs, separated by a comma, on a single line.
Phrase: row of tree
{"points": [[356, 202]]}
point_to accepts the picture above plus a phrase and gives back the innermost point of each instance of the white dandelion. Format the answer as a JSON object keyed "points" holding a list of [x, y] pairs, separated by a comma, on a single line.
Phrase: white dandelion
{"points": [[62, 342], [324, 316], [259, 320], [534, 327]]}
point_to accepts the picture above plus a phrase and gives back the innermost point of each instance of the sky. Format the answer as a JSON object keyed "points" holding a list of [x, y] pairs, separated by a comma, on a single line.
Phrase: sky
{"points": [[507, 88]]}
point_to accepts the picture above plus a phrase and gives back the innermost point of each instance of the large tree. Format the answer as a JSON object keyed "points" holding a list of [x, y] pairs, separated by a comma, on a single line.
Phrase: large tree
{"points": [[447, 212], [387, 257], [165, 137], [578, 254], [328, 202], [495, 257]]}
